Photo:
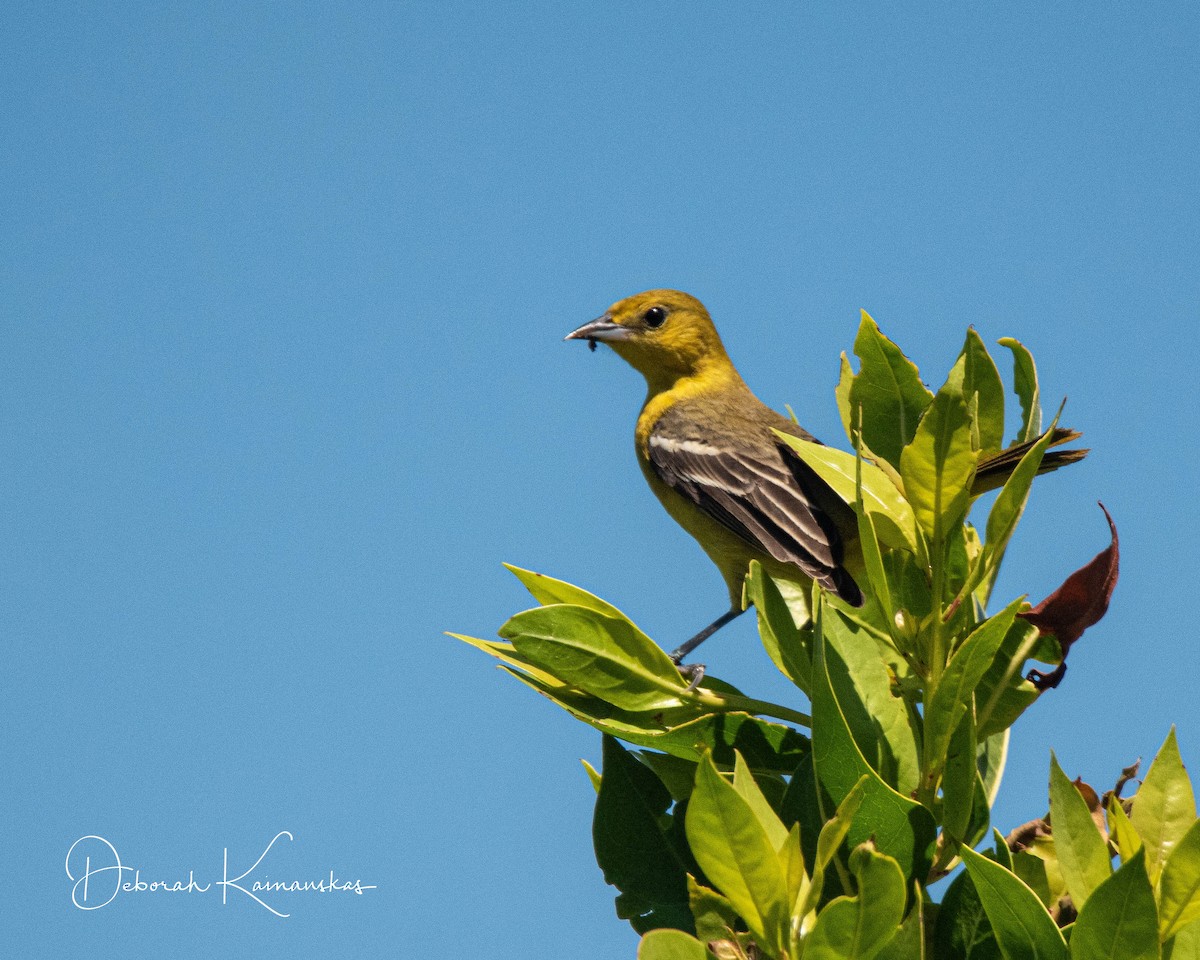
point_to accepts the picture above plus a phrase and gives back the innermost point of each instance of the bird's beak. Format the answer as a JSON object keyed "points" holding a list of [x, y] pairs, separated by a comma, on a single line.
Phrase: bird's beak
{"points": [[602, 328]]}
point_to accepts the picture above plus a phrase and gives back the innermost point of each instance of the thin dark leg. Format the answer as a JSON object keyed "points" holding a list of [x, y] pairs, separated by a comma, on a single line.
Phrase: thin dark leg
{"points": [[690, 645]]}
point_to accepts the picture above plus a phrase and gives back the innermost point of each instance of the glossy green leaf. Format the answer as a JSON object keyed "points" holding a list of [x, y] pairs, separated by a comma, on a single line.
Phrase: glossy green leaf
{"points": [[677, 774], [1082, 852], [1185, 945], [671, 945], [894, 521], [633, 846], [993, 756], [961, 930], [1164, 808], [902, 828], [593, 775], [736, 854], [548, 591], [832, 835], [909, 943], [888, 387], [961, 778], [605, 656], [1121, 830], [684, 731], [1021, 925], [937, 466], [1119, 921], [981, 379], [1179, 888], [858, 927], [842, 395], [749, 790], [1006, 513], [1003, 693], [1025, 383], [882, 724], [786, 643], [714, 914], [966, 668]]}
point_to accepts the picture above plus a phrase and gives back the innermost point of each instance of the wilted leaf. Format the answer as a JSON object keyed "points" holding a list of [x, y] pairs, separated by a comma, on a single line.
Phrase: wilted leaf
{"points": [[1076, 605]]}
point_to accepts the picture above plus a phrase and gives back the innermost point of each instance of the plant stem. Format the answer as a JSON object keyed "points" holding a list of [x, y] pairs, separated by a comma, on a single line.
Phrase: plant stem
{"points": [[729, 701]]}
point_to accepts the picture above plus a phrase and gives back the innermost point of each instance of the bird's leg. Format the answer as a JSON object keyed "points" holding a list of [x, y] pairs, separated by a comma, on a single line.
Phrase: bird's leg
{"points": [[695, 671]]}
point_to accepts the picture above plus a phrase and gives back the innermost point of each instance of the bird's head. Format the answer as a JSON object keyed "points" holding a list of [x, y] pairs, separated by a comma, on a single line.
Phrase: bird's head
{"points": [[664, 334]]}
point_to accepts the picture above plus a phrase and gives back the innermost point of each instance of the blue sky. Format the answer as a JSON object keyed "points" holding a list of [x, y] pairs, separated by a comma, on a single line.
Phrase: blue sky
{"points": [[282, 293]]}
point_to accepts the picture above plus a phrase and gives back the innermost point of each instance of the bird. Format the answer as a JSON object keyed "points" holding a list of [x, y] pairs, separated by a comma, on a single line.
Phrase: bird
{"points": [[710, 451]]}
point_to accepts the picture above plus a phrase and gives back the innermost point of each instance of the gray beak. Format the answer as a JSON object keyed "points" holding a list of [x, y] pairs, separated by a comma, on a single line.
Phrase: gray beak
{"points": [[602, 328]]}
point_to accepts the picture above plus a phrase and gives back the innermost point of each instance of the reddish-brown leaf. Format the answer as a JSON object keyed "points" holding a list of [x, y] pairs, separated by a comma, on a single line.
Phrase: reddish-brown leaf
{"points": [[1080, 602]]}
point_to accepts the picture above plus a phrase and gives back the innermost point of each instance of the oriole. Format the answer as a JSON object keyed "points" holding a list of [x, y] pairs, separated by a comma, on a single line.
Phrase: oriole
{"points": [[707, 447]]}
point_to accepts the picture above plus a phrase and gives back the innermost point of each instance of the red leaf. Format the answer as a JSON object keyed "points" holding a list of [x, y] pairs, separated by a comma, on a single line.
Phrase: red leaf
{"points": [[1080, 602]]}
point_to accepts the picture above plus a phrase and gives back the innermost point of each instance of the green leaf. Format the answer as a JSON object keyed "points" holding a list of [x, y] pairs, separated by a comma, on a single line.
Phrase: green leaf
{"points": [[888, 387], [882, 724], [937, 466], [1025, 383], [671, 945], [1082, 852], [548, 591], [593, 775], [893, 517], [1021, 925], [1004, 693], [735, 853], [902, 828], [961, 930], [1121, 830], [980, 378], [1006, 514], [1185, 945], [680, 732], [633, 846], [605, 656], [1164, 808], [715, 917], [830, 839], [1179, 889], [786, 643], [961, 779], [768, 819], [962, 675], [909, 943], [842, 394], [857, 928], [677, 774], [1119, 921]]}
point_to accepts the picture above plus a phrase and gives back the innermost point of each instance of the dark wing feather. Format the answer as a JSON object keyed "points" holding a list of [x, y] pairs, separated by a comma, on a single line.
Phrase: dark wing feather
{"points": [[765, 496]]}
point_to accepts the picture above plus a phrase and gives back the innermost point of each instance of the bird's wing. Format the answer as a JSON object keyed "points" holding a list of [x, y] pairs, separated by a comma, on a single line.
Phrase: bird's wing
{"points": [[765, 496]]}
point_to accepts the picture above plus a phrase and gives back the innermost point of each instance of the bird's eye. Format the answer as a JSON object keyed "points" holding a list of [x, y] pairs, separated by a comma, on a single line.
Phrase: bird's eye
{"points": [[655, 317]]}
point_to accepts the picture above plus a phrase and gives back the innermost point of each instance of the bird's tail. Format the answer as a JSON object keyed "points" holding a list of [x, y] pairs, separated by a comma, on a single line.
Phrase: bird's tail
{"points": [[994, 470]]}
